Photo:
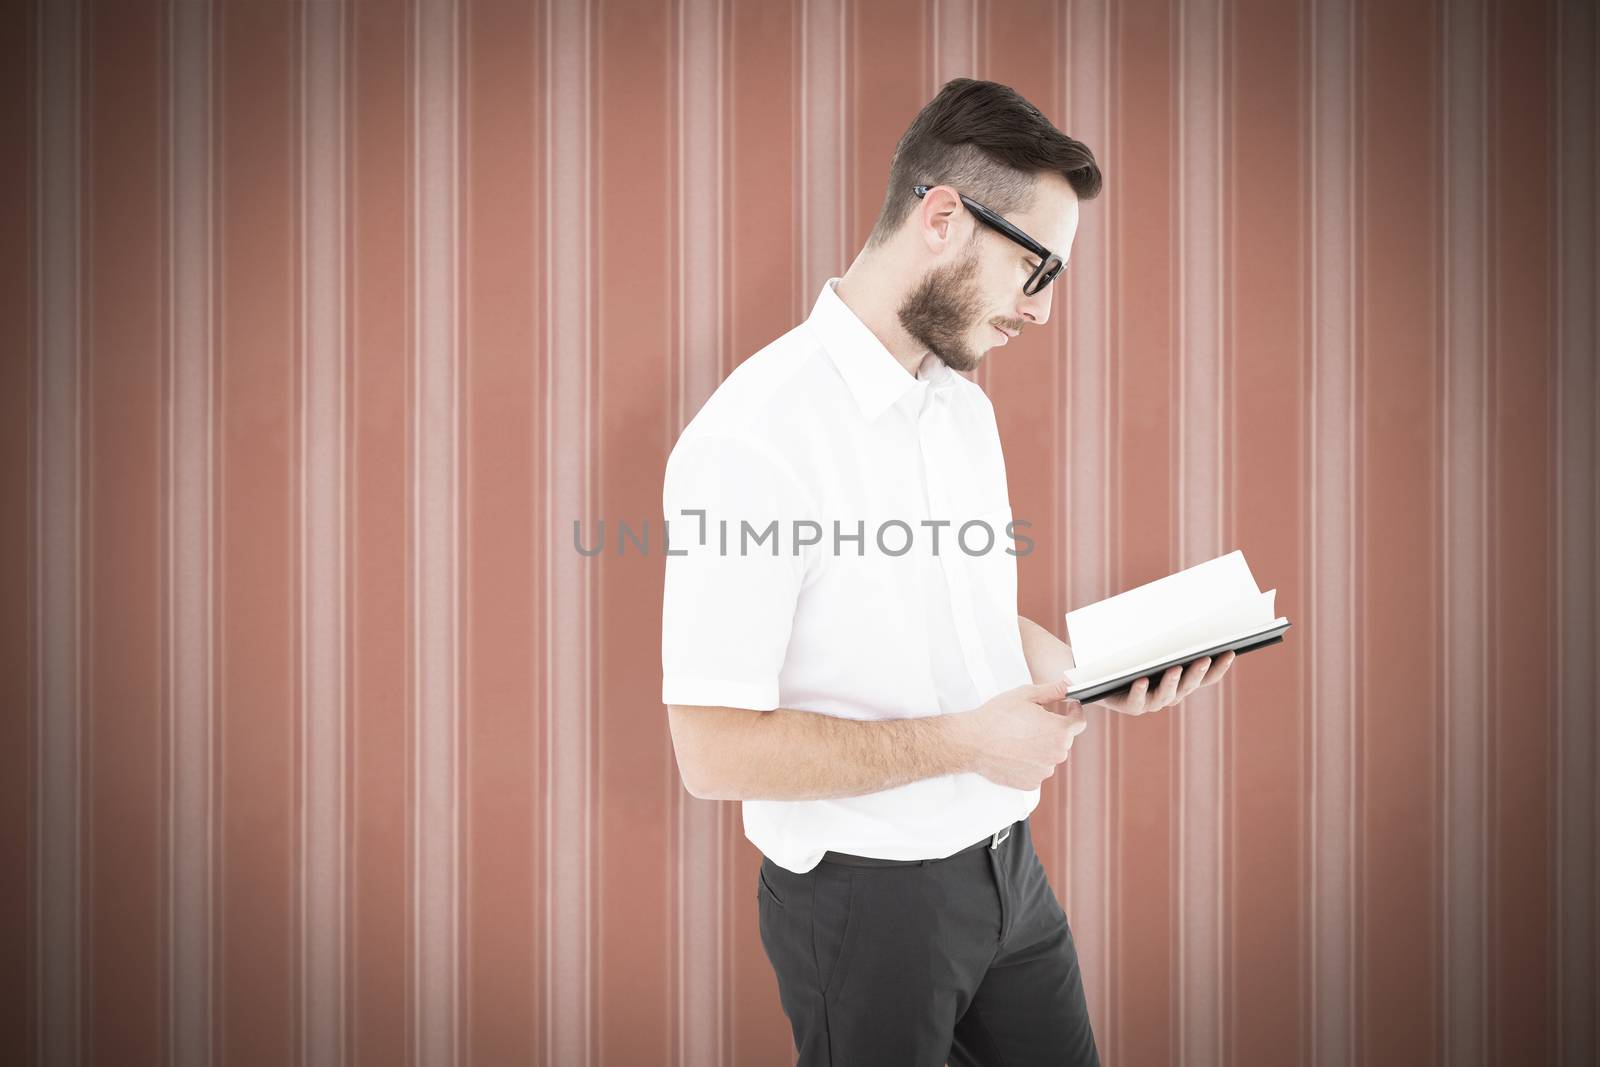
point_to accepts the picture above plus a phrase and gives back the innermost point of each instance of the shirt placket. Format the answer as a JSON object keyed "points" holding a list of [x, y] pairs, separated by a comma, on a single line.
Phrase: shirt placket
{"points": [[934, 434]]}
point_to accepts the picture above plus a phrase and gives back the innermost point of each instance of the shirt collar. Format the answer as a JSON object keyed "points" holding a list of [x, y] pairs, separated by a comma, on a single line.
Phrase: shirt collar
{"points": [[875, 378]]}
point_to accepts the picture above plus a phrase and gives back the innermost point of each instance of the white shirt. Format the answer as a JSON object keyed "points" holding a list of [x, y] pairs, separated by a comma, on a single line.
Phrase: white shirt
{"points": [[822, 427]]}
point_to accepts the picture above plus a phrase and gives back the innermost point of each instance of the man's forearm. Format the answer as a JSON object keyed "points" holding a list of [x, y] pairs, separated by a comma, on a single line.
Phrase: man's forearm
{"points": [[786, 754], [1047, 654]]}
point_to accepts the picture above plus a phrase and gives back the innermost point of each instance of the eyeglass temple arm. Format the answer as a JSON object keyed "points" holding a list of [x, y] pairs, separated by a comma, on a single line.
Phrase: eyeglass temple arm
{"points": [[1002, 225]]}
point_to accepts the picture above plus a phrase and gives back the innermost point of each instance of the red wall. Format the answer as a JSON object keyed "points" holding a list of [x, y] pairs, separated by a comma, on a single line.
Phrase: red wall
{"points": [[323, 323]]}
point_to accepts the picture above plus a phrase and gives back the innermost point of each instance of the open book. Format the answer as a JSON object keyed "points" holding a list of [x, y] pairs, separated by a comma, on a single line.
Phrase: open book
{"points": [[1203, 611]]}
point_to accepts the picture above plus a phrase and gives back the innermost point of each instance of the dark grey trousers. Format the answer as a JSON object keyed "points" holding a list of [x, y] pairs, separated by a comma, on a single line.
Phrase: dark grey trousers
{"points": [[966, 960]]}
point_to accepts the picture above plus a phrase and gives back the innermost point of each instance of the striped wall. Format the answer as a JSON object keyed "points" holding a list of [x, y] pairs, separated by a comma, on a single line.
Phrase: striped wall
{"points": [[323, 323]]}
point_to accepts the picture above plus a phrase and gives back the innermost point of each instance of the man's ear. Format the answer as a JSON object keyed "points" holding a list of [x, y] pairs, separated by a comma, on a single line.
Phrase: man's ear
{"points": [[938, 209]]}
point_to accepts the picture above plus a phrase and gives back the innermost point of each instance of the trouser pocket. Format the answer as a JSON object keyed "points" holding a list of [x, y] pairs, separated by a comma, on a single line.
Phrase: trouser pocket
{"points": [[765, 884], [835, 903]]}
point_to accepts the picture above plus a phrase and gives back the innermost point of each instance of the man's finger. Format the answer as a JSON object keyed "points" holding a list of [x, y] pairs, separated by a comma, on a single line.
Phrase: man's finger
{"points": [[1192, 676], [1169, 688], [1219, 667], [1043, 691], [1131, 702], [1128, 702]]}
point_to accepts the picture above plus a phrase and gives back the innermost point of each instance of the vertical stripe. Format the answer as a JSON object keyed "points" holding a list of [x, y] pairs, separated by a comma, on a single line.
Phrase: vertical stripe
{"points": [[953, 52], [1331, 442], [60, 983], [21, 130], [1463, 299], [1521, 611], [380, 484], [434, 853], [189, 563], [119, 571], [1200, 530], [700, 197], [952, 46], [1399, 919], [1267, 718], [569, 210], [701, 857], [1145, 916], [1574, 403], [1085, 505], [322, 582], [502, 716], [257, 516], [823, 124]]}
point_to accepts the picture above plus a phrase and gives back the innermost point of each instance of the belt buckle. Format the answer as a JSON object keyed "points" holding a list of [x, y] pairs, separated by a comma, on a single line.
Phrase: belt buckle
{"points": [[999, 836]]}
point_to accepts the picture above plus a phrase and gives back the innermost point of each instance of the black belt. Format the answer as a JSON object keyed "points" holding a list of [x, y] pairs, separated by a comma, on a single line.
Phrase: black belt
{"points": [[992, 841]]}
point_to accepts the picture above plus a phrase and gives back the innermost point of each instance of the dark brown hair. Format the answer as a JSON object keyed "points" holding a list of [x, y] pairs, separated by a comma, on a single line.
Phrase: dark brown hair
{"points": [[989, 143]]}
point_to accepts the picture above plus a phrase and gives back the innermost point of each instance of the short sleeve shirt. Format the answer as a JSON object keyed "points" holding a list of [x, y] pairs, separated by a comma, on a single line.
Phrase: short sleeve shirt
{"points": [[841, 541]]}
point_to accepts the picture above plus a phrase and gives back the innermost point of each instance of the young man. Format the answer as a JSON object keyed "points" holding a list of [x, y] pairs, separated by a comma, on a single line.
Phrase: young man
{"points": [[841, 648]]}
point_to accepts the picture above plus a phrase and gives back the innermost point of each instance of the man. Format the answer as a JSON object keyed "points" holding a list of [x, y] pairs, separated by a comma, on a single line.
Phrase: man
{"points": [[841, 648]]}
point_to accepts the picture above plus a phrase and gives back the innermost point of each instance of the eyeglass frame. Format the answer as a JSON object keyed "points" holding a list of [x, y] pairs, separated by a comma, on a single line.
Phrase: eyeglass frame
{"points": [[996, 222]]}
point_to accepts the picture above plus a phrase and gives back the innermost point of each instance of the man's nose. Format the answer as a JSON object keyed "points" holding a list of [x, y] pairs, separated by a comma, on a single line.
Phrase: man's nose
{"points": [[1036, 308]]}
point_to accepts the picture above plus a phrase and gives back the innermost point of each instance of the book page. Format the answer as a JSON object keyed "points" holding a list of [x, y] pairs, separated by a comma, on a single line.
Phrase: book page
{"points": [[1098, 631], [1246, 616]]}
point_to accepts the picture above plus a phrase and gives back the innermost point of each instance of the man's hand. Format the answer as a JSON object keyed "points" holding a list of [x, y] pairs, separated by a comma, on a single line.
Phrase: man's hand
{"points": [[1014, 740], [1176, 684]]}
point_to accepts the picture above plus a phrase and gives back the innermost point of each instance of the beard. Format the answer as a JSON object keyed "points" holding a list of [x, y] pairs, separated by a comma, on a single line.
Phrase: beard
{"points": [[941, 310]]}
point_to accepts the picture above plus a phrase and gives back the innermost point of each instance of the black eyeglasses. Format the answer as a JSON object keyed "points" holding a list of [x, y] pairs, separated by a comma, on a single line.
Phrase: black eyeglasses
{"points": [[1049, 263]]}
